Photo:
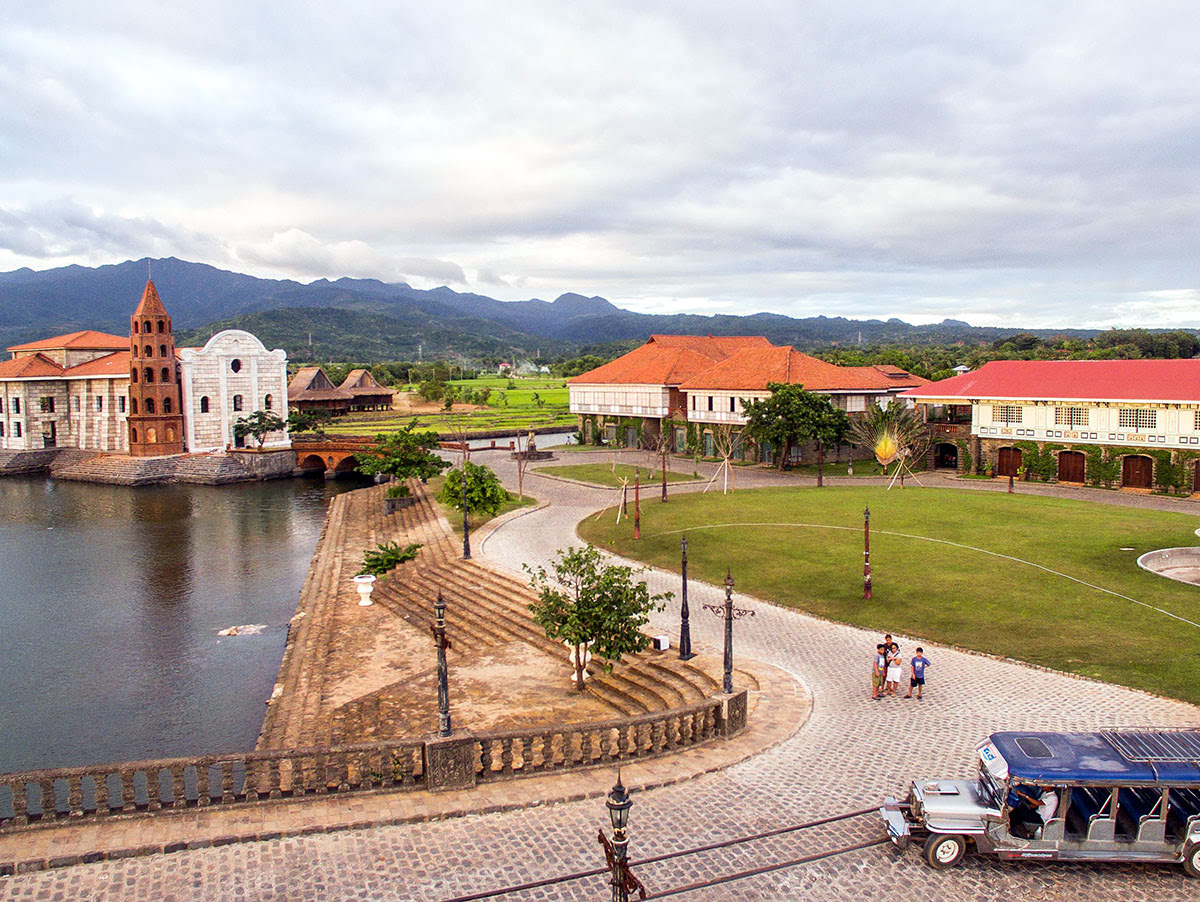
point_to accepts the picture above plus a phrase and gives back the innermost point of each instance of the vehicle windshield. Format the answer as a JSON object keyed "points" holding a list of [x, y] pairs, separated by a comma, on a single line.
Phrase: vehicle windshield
{"points": [[991, 791]]}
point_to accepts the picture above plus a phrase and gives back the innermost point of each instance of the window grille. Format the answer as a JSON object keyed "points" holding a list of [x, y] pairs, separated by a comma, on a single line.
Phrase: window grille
{"points": [[1070, 416], [1007, 413], [1137, 418]]}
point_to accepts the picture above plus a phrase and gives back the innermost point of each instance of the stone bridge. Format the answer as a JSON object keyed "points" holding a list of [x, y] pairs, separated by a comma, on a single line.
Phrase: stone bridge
{"points": [[332, 455]]}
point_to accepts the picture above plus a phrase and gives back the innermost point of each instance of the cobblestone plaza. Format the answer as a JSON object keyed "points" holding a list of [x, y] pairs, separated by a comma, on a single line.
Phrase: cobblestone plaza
{"points": [[850, 753]]}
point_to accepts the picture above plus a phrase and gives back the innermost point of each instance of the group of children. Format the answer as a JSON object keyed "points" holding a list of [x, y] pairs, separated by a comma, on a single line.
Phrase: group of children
{"points": [[889, 667]]}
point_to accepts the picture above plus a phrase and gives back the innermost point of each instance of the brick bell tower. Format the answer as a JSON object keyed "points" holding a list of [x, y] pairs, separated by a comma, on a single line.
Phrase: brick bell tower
{"points": [[155, 417]]}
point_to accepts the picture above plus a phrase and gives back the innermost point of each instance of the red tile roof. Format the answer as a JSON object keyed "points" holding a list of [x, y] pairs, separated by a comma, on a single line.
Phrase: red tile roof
{"points": [[88, 340], [1071, 380], [33, 366], [668, 359], [115, 364], [150, 304], [751, 369]]}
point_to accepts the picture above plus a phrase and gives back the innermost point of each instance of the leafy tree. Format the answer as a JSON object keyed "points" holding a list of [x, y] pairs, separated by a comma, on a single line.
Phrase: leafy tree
{"points": [[484, 494], [593, 606], [258, 425], [308, 420], [790, 415], [432, 390], [404, 454]]}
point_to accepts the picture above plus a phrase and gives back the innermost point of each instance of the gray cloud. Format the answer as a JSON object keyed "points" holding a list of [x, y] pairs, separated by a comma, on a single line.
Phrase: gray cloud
{"points": [[1009, 164]]}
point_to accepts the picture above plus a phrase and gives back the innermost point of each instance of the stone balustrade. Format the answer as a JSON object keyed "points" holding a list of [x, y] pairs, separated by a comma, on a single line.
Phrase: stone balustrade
{"points": [[464, 759]]}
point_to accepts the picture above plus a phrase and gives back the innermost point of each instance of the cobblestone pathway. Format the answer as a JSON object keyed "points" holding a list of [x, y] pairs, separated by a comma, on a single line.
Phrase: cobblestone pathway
{"points": [[851, 752]]}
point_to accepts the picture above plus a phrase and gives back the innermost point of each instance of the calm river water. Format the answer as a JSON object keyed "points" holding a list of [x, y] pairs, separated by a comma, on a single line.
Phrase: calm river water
{"points": [[110, 603]]}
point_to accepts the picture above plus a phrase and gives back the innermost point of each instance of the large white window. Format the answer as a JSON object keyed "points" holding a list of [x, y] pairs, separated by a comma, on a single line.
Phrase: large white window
{"points": [[1007, 413], [1070, 416], [1137, 418]]}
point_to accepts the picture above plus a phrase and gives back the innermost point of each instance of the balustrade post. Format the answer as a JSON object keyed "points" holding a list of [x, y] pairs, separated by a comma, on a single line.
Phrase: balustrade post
{"points": [[49, 800], [100, 793], [128, 793], [75, 795]]}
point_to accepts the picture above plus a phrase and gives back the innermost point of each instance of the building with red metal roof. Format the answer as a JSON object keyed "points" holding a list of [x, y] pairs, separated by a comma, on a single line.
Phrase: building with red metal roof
{"points": [[1135, 423]]}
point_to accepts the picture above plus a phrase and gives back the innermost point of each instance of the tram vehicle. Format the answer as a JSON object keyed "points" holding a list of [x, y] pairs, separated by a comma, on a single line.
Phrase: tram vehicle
{"points": [[1114, 795]]}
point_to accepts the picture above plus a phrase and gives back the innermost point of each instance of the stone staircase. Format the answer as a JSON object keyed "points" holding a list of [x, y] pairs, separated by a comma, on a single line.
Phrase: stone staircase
{"points": [[211, 469], [486, 608], [116, 469]]}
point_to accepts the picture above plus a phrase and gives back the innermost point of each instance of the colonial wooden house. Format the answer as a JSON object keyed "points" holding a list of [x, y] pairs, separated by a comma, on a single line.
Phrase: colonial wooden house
{"points": [[311, 389], [365, 392], [1133, 423], [692, 386], [138, 394]]}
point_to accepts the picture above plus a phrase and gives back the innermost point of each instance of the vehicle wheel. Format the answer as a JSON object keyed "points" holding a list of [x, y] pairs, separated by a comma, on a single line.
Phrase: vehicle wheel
{"points": [[944, 850], [1191, 859]]}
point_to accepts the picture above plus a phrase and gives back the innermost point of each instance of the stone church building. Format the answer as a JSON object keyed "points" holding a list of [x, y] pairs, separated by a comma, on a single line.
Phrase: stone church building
{"points": [[138, 394]]}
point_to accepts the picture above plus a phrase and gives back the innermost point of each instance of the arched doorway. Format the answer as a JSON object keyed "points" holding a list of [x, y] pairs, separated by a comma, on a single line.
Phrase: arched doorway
{"points": [[945, 456], [1196, 476], [1008, 462], [1137, 472], [1070, 466]]}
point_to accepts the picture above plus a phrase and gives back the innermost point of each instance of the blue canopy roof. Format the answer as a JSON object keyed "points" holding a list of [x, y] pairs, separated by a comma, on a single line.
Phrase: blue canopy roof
{"points": [[1111, 757]]}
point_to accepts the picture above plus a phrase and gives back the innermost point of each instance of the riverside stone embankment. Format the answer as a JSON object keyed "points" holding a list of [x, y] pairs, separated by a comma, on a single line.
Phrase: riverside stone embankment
{"points": [[221, 468]]}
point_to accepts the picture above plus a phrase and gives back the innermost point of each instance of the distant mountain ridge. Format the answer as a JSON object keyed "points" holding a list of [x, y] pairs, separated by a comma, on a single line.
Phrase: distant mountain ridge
{"points": [[366, 319]]}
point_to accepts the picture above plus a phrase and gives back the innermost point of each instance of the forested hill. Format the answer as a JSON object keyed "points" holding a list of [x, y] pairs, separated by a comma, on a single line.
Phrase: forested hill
{"points": [[366, 319]]}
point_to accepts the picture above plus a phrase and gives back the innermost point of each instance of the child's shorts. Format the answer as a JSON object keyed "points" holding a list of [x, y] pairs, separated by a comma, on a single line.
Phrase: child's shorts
{"points": [[917, 681]]}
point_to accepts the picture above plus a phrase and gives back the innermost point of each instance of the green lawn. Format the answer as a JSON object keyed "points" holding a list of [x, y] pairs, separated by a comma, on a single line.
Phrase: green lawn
{"points": [[803, 547], [612, 474], [513, 410]]}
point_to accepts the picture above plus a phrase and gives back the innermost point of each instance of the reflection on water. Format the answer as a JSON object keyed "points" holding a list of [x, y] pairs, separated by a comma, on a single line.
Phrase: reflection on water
{"points": [[110, 603]]}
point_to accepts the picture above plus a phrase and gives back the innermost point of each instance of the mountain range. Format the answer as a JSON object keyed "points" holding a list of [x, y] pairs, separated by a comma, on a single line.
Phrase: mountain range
{"points": [[368, 320]]}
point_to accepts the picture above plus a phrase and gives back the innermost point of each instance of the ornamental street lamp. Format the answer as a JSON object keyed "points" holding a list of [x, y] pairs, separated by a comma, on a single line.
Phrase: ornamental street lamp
{"points": [[729, 612], [663, 446], [685, 627], [443, 687], [616, 852], [637, 505]]}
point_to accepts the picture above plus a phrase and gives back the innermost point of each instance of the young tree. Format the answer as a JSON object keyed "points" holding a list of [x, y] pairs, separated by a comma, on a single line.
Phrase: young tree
{"points": [[593, 607], [725, 440], [404, 454], [258, 425], [827, 425], [484, 493], [308, 421]]}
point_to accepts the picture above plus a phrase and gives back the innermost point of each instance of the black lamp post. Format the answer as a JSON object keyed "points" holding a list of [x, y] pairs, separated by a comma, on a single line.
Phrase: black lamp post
{"points": [[617, 851], [685, 626], [867, 553], [443, 686], [466, 527], [729, 612]]}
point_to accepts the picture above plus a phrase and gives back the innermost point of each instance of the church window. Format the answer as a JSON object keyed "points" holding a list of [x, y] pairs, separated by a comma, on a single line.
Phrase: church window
{"points": [[135, 328], [237, 402], [162, 350], [121, 402], [75, 404], [17, 426], [166, 374], [99, 402], [149, 326], [148, 375], [1, 430], [133, 435], [166, 405], [235, 365], [149, 405], [162, 326], [133, 402], [46, 404], [16, 405], [147, 351], [267, 402], [204, 404], [133, 375]]}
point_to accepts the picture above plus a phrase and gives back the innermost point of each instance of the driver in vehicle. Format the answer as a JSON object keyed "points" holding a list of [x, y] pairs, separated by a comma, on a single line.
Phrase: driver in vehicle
{"points": [[1037, 811]]}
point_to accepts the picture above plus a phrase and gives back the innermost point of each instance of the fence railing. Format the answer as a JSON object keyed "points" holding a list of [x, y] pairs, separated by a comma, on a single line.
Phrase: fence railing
{"points": [[169, 784]]}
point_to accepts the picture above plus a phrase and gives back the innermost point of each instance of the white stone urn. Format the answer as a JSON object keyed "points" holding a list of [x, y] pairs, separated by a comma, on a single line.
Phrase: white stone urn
{"points": [[573, 658], [364, 584]]}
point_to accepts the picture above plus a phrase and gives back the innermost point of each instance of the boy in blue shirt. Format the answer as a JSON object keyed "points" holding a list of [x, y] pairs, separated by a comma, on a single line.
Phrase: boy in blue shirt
{"points": [[918, 664]]}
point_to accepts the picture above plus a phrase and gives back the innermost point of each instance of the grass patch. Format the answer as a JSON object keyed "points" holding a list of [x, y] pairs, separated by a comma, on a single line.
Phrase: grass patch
{"points": [[475, 521], [948, 594], [868, 467], [611, 474]]}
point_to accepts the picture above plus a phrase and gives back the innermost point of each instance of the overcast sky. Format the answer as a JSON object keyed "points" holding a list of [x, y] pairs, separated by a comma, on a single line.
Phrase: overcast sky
{"points": [[1013, 163]]}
